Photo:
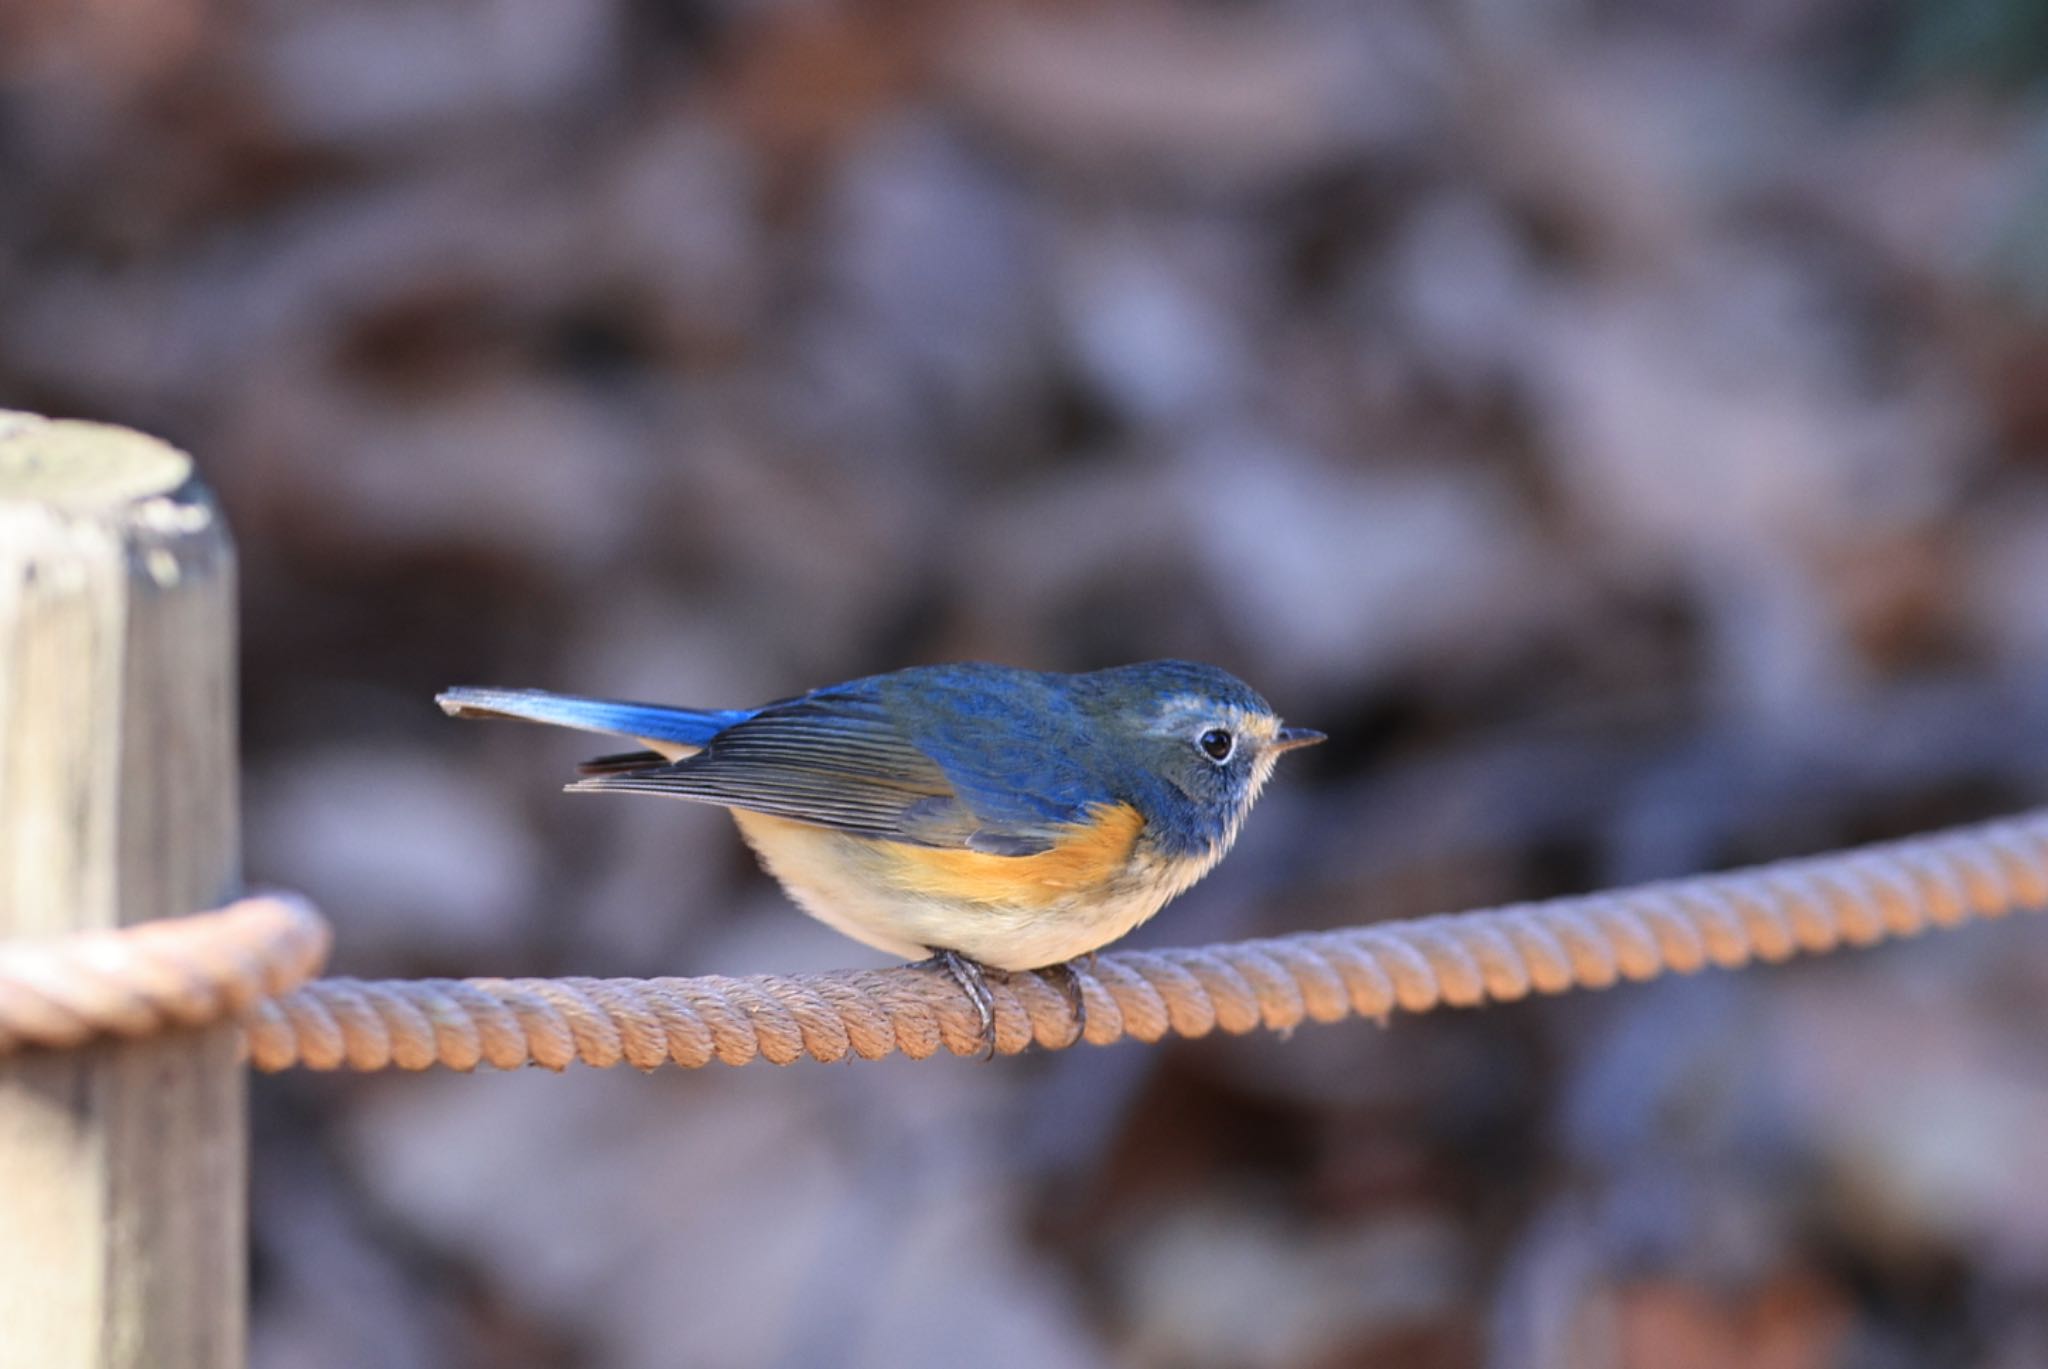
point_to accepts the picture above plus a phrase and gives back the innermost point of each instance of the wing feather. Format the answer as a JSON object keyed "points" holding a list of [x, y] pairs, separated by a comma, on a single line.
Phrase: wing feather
{"points": [[831, 759], [841, 758]]}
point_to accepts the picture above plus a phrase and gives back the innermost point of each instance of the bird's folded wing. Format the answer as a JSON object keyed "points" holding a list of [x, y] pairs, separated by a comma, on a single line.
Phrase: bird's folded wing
{"points": [[839, 759]]}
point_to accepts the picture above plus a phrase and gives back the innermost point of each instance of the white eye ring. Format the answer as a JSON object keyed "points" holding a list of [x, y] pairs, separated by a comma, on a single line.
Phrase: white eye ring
{"points": [[1219, 744]]}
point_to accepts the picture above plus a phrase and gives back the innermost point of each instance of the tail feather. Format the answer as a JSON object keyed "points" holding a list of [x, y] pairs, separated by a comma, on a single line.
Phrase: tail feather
{"points": [[651, 722], [622, 763]]}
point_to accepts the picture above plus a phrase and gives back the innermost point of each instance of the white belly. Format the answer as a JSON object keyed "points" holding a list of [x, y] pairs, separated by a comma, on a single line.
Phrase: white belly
{"points": [[839, 880]]}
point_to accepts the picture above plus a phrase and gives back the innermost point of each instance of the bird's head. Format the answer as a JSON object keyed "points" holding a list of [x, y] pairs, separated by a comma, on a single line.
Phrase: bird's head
{"points": [[1203, 732]]}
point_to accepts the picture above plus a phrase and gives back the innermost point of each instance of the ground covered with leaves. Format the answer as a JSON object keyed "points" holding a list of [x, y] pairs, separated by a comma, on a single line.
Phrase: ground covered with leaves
{"points": [[1624, 429]]}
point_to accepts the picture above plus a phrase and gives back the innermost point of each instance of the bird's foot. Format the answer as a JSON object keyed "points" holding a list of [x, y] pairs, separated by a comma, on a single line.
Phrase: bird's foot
{"points": [[973, 981], [1067, 980]]}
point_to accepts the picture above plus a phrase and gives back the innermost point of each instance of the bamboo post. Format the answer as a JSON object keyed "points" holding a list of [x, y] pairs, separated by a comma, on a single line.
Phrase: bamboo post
{"points": [[122, 1166]]}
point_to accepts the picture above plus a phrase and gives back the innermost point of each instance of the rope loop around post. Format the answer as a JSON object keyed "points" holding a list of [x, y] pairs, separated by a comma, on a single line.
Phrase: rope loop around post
{"points": [[157, 976], [253, 961]]}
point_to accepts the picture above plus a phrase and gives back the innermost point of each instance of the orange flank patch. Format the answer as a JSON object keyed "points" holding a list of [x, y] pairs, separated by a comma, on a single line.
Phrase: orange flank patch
{"points": [[1090, 854]]}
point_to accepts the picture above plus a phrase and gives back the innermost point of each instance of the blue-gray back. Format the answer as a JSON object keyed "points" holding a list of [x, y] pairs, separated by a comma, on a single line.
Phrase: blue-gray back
{"points": [[988, 757]]}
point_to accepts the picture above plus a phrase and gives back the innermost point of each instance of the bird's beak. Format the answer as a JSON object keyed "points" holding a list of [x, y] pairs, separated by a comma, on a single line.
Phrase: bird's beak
{"points": [[1291, 738]]}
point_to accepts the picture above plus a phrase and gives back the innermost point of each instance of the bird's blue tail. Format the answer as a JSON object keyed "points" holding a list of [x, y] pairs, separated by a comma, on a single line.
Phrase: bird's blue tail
{"points": [[654, 722]]}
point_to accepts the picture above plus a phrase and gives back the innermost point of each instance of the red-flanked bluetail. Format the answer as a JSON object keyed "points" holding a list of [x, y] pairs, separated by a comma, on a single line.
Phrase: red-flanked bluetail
{"points": [[1011, 818]]}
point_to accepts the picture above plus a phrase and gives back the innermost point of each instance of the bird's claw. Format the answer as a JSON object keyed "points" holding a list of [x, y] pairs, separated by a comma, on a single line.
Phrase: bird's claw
{"points": [[973, 981], [1067, 980], [972, 977]]}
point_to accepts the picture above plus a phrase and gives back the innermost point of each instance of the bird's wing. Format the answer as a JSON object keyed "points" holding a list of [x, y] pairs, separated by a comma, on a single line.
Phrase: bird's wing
{"points": [[953, 764]]}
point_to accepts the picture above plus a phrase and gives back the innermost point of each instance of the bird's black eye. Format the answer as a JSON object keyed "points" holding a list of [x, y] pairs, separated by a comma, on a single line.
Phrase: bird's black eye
{"points": [[1216, 744]]}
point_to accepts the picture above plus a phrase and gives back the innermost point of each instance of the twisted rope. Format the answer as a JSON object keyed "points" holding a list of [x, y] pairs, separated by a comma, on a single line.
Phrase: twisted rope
{"points": [[152, 977], [145, 978]]}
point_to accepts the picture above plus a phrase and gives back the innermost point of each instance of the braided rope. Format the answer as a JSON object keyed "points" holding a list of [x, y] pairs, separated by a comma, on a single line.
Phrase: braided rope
{"points": [[1769, 913]]}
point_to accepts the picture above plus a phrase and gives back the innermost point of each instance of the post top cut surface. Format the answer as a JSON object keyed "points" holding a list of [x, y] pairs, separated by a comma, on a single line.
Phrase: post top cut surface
{"points": [[76, 465]]}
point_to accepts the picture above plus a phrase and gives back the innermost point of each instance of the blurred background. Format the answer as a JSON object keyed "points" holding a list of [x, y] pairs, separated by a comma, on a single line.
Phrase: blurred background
{"points": [[1624, 428]]}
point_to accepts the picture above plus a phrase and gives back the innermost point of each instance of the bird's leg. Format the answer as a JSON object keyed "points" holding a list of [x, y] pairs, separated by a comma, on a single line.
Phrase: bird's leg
{"points": [[973, 982], [1064, 978]]}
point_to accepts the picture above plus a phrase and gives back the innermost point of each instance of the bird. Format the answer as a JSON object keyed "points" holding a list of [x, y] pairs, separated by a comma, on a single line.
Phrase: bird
{"points": [[967, 817]]}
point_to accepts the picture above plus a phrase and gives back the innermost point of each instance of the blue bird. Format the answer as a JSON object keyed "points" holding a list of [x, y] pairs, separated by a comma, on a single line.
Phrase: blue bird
{"points": [[968, 815]]}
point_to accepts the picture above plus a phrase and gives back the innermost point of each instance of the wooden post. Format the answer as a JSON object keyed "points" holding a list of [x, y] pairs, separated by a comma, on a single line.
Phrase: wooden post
{"points": [[122, 1166]]}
